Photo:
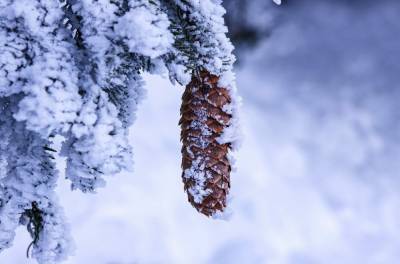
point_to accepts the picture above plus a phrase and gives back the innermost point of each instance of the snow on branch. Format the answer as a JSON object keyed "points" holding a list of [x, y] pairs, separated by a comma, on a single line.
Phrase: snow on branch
{"points": [[74, 69], [29, 182]]}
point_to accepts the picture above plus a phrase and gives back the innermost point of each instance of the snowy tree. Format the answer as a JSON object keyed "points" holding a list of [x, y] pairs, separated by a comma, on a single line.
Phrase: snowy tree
{"points": [[72, 68]]}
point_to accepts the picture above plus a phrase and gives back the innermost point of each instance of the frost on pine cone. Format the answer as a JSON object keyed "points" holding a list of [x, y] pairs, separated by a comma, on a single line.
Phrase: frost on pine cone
{"points": [[205, 164]]}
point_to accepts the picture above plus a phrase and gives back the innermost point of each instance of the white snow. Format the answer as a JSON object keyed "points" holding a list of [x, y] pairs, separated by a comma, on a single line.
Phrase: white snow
{"points": [[150, 36]]}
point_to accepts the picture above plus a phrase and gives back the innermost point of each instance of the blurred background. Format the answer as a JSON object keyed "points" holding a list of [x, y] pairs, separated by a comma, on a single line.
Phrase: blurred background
{"points": [[318, 174]]}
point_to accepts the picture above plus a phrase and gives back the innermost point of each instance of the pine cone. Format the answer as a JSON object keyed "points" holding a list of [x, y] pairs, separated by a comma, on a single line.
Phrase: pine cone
{"points": [[206, 168]]}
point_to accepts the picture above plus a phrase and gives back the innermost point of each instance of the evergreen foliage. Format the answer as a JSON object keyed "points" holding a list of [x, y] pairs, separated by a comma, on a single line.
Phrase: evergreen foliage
{"points": [[73, 68]]}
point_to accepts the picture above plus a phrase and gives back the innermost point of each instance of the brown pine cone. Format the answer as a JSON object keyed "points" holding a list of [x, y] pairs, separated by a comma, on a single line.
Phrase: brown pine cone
{"points": [[206, 168]]}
